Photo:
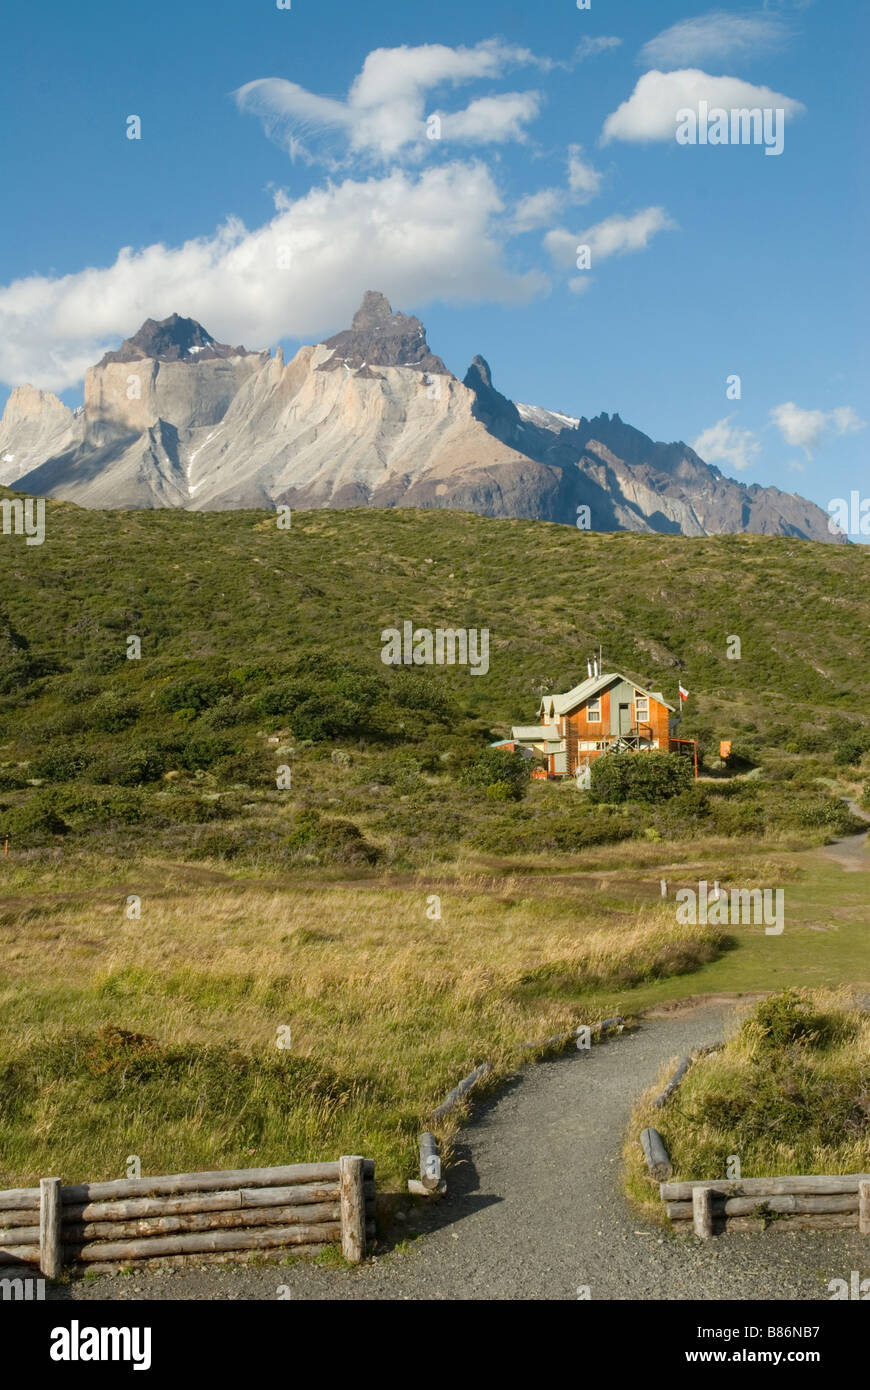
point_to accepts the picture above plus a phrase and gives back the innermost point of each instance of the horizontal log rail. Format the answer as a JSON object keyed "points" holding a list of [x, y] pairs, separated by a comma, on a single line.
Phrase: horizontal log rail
{"points": [[185, 1216], [808, 1202]]}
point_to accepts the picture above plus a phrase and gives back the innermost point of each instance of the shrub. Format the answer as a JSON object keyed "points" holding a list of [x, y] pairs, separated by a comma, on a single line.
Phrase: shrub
{"points": [[791, 1017], [850, 751], [197, 693], [61, 762], [34, 822], [401, 771], [502, 775], [640, 776], [111, 712]]}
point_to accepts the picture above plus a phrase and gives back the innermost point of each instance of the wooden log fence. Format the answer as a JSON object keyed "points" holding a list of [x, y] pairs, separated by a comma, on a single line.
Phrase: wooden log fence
{"points": [[245, 1213], [812, 1202]]}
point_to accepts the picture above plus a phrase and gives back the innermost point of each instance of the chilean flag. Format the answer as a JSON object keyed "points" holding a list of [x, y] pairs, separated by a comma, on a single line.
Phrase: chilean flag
{"points": [[684, 694]]}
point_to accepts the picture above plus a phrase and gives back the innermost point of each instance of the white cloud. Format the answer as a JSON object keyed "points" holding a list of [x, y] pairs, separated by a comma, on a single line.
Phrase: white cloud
{"points": [[384, 115], [541, 209], [583, 181], [651, 111], [614, 236], [803, 429], [492, 120], [537, 210], [715, 36], [419, 238], [724, 443]]}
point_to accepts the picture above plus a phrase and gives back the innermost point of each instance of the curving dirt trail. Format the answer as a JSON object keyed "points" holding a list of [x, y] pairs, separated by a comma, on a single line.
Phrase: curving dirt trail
{"points": [[535, 1211]]}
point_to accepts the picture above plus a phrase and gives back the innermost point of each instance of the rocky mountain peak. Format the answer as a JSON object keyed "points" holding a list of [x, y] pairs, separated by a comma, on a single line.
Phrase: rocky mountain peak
{"points": [[380, 338], [175, 339]]}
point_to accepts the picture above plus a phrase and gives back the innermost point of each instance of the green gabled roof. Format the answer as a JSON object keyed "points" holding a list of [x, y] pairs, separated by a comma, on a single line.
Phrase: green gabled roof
{"points": [[535, 733], [587, 689]]}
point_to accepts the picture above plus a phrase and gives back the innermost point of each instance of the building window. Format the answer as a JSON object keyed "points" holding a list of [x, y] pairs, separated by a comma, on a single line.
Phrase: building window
{"points": [[641, 705], [593, 712]]}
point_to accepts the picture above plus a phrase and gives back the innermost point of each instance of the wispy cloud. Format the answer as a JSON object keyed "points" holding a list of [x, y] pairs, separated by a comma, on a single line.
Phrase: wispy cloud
{"points": [[384, 115], [715, 37], [724, 443], [804, 429], [615, 236]]}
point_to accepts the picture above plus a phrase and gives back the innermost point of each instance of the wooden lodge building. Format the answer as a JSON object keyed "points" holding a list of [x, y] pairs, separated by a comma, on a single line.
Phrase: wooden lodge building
{"points": [[603, 714]]}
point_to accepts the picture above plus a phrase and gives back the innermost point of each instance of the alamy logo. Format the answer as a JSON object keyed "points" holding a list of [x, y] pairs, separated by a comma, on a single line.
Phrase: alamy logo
{"points": [[852, 516], [742, 907], [741, 126], [450, 646], [19, 519], [76, 1343], [22, 1290]]}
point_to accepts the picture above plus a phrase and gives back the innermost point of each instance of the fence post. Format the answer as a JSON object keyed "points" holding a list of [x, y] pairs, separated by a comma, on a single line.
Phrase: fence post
{"points": [[864, 1207], [353, 1207], [50, 1252], [702, 1212]]}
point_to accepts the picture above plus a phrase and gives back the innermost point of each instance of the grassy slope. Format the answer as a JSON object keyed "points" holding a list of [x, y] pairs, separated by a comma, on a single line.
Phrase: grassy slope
{"points": [[386, 1007]]}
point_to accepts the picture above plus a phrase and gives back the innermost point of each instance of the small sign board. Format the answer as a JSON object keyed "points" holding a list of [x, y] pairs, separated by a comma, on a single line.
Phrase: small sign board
{"points": [[725, 748]]}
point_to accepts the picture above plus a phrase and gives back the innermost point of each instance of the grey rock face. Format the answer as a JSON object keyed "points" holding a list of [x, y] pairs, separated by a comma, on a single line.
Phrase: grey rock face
{"points": [[380, 338]]}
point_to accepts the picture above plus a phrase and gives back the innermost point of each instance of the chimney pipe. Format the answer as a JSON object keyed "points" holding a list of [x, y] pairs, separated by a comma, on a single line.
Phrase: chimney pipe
{"points": [[589, 669]]}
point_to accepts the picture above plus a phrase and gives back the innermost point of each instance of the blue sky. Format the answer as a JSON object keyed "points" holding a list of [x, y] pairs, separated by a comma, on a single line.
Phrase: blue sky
{"points": [[286, 164]]}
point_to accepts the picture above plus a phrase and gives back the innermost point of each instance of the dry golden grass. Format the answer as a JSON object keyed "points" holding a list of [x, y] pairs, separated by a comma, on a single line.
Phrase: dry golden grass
{"points": [[377, 996]]}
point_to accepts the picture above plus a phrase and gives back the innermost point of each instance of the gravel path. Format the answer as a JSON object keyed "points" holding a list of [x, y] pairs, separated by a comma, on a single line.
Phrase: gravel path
{"points": [[534, 1209]]}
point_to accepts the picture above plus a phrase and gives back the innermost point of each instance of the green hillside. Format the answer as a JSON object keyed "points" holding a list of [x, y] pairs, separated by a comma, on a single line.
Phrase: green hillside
{"points": [[249, 631]]}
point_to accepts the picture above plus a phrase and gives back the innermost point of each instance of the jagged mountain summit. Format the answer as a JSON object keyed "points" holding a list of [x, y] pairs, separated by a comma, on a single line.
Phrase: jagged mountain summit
{"points": [[370, 417]]}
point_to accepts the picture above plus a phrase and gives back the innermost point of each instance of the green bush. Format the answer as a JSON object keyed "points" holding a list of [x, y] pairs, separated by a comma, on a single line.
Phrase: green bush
{"points": [[502, 775], [111, 713], [60, 762], [640, 776], [196, 693], [34, 822], [791, 1017]]}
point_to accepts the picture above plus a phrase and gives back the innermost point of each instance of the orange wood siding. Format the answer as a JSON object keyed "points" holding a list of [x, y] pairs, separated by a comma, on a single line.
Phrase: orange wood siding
{"points": [[658, 718]]}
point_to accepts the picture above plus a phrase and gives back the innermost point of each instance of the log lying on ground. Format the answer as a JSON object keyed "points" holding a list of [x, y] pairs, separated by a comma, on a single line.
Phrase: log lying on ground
{"points": [[684, 1064], [749, 1206], [176, 1184], [455, 1096], [430, 1163], [809, 1185], [658, 1160]]}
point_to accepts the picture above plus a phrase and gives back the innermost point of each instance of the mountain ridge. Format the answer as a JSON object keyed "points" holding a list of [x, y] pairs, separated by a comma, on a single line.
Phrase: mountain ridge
{"points": [[369, 417]]}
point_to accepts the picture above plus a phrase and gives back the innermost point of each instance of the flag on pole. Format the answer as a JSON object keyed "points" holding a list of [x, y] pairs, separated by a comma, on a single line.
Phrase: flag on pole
{"points": [[684, 694]]}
